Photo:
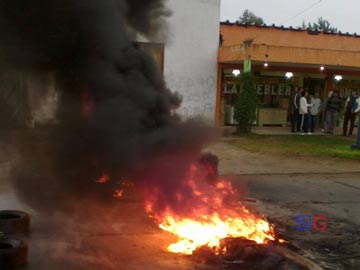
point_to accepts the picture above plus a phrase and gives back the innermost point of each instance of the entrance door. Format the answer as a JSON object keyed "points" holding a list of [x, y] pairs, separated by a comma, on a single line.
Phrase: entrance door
{"points": [[315, 85]]}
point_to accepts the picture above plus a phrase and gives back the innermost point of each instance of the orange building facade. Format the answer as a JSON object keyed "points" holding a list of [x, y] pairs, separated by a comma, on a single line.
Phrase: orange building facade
{"points": [[314, 59]]}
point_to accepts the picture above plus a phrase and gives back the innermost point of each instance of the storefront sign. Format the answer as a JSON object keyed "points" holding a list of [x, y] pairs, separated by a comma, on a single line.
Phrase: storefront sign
{"points": [[231, 88], [345, 87], [273, 90], [265, 86], [232, 84]]}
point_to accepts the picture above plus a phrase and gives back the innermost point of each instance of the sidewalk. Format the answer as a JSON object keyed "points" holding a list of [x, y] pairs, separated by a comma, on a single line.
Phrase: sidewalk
{"points": [[270, 130], [287, 131]]}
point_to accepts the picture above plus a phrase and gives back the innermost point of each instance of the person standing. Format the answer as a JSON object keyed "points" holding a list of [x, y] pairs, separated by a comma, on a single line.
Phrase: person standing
{"points": [[333, 108], [314, 111], [295, 123], [351, 106], [304, 113], [323, 121]]}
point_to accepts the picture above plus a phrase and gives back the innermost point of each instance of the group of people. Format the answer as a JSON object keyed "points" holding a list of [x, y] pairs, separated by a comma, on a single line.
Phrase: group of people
{"points": [[306, 110]]}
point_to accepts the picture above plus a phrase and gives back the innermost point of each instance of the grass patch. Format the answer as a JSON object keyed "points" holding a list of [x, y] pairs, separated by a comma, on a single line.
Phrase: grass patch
{"points": [[325, 146]]}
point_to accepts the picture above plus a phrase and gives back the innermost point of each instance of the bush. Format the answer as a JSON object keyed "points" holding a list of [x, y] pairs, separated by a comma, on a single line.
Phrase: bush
{"points": [[245, 105]]}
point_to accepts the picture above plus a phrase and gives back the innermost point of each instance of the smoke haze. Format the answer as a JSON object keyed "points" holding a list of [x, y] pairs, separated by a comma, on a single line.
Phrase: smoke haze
{"points": [[115, 114]]}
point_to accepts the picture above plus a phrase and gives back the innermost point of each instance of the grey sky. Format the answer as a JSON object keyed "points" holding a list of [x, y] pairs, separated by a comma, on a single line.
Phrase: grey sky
{"points": [[344, 14]]}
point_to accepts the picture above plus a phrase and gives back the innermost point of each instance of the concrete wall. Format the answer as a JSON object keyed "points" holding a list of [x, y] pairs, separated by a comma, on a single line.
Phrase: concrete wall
{"points": [[191, 55]]}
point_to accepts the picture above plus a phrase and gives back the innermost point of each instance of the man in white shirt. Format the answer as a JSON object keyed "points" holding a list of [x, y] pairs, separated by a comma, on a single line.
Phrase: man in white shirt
{"points": [[314, 111], [304, 113]]}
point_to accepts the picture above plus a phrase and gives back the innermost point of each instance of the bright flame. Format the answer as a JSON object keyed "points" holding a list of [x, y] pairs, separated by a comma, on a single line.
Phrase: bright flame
{"points": [[214, 214], [194, 234], [103, 179], [118, 193]]}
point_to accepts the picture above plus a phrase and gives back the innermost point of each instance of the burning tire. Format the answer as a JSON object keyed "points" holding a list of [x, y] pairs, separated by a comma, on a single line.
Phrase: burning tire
{"points": [[13, 253], [14, 222]]}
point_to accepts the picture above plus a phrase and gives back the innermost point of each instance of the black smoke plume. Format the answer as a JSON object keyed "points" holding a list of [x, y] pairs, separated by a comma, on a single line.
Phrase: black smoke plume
{"points": [[116, 115]]}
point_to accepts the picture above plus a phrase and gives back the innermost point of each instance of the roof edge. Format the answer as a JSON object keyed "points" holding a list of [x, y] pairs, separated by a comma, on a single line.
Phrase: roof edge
{"points": [[290, 28]]}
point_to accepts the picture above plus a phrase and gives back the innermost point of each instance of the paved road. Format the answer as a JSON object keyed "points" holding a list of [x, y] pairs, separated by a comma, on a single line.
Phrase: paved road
{"points": [[283, 197], [335, 195]]}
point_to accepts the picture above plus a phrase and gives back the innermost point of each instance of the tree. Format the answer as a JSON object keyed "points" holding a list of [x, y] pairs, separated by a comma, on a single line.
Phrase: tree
{"points": [[322, 25], [245, 105], [249, 17], [304, 26]]}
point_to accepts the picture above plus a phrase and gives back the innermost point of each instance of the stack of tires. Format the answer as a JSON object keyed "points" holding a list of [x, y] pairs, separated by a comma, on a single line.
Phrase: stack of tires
{"points": [[14, 228]]}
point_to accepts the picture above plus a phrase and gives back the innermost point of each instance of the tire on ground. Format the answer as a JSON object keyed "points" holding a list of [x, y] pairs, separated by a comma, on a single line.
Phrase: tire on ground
{"points": [[14, 222], [13, 253]]}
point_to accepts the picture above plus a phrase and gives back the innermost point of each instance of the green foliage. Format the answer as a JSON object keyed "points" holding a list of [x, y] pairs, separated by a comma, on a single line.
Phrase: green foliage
{"points": [[304, 26], [322, 25], [249, 17], [245, 105], [293, 145]]}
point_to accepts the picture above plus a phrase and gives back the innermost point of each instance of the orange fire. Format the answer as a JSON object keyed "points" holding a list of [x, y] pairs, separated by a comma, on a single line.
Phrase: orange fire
{"points": [[212, 214], [118, 193], [103, 179]]}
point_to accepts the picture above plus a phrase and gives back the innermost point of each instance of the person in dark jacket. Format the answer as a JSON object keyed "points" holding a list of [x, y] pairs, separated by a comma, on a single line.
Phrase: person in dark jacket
{"points": [[333, 107], [350, 113], [314, 111], [296, 117], [323, 122]]}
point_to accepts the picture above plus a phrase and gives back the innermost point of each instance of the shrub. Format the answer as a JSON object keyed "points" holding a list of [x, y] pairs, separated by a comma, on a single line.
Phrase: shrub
{"points": [[245, 105]]}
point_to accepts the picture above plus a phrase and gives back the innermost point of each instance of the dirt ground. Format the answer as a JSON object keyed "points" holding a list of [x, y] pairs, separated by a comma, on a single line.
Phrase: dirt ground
{"points": [[121, 236]]}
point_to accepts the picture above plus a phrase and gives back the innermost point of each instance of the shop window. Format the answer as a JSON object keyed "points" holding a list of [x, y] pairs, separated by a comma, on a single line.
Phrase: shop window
{"points": [[346, 86], [274, 96], [274, 92]]}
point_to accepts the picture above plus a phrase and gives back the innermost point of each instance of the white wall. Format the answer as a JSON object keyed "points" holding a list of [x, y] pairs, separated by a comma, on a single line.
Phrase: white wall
{"points": [[191, 55]]}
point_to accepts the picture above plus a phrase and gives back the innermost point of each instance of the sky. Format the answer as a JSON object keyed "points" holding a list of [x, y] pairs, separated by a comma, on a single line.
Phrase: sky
{"points": [[343, 14]]}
